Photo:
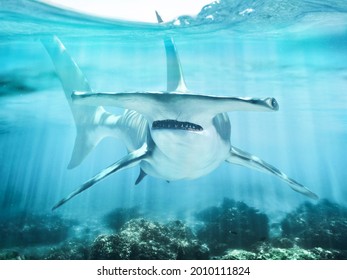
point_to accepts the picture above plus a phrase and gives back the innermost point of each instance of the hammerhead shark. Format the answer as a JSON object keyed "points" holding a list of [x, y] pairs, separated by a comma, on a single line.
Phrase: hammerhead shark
{"points": [[172, 134]]}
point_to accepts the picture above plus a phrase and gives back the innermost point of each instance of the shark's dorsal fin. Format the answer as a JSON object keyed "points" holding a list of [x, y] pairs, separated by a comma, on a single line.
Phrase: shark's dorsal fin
{"points": [[175, 79], [159, 19]]}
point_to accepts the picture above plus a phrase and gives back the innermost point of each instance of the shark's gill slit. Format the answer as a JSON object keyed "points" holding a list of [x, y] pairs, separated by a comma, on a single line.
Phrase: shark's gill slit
{"points": [[174, 124]]}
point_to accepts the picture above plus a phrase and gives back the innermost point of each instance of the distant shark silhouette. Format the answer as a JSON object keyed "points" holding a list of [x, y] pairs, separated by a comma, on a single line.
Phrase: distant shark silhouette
{"points": [[172, 135]]}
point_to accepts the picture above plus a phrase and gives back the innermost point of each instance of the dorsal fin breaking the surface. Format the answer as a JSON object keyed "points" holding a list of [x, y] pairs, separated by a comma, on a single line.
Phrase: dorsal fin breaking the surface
{"points": [[175, 78]]}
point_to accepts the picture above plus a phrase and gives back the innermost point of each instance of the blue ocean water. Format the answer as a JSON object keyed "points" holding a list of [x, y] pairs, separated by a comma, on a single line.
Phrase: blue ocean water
{"points": [[295, 51]]}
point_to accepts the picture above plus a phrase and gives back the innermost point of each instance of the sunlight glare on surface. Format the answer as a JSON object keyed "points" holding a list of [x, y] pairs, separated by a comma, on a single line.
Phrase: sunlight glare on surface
{"points": [[133, 10]]}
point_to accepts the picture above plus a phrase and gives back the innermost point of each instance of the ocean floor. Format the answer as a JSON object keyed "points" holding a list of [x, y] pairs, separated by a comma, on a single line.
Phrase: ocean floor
{"points": [[229, 231]]}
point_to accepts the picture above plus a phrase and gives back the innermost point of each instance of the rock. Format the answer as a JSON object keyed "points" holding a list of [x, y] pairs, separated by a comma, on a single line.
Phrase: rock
{"points": [[265, 251], [282, 242], [11, 255], [119, 216], [70, 250], [232, 225], [321, 225], [140, 239], [29, 230], [238, 254]]}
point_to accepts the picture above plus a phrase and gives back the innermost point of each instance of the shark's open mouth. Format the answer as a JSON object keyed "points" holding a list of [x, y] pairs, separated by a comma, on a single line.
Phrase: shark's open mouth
{"points": [[174, 124]]}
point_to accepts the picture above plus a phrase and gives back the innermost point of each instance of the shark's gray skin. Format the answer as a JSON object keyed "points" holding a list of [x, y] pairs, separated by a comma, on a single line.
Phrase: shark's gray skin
{"points": [[171, 135]]}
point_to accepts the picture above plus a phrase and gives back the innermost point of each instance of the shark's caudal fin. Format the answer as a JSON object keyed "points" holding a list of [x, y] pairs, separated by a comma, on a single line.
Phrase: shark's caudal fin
{"points": [[128, 161], [240, 157], [175, 79], [88, 120]]}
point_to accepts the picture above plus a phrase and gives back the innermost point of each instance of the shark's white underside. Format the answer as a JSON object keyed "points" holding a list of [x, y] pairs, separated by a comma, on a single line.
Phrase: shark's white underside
{"points": [[175, 149]]}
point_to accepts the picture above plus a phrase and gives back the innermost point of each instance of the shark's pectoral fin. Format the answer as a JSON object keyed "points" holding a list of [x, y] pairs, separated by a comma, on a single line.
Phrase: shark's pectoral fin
{"points": [[240, 157], [128, 161]]}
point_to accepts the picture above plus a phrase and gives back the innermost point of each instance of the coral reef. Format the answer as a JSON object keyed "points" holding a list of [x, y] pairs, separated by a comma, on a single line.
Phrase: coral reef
{"points": [[146, 240], [29, 230], [232, 225], [321, 225]]}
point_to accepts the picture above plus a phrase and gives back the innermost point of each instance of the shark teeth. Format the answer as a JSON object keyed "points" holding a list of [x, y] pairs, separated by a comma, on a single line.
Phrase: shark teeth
{"points": [[174, 124]]}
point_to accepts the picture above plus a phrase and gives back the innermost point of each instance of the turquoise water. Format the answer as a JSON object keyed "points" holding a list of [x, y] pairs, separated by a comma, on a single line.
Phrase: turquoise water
{"points": [[295, 51]]}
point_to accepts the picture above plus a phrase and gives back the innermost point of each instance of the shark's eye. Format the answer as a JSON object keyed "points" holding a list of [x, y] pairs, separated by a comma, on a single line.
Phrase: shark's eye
{"points": [[274, 104]]}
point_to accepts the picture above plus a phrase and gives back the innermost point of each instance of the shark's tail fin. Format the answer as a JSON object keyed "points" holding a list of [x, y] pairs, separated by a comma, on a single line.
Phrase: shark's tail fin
{"points": [[86, 118]]}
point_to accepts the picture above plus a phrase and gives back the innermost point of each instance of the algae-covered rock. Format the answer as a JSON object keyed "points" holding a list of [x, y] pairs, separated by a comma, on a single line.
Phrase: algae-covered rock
{"points": [[28, 230], [119, 216], [69, 250], [282, 242], [266, 251], [72, 249], [238, 254], [321, 225], [232, 225], [146, 240], [10, 255]]}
